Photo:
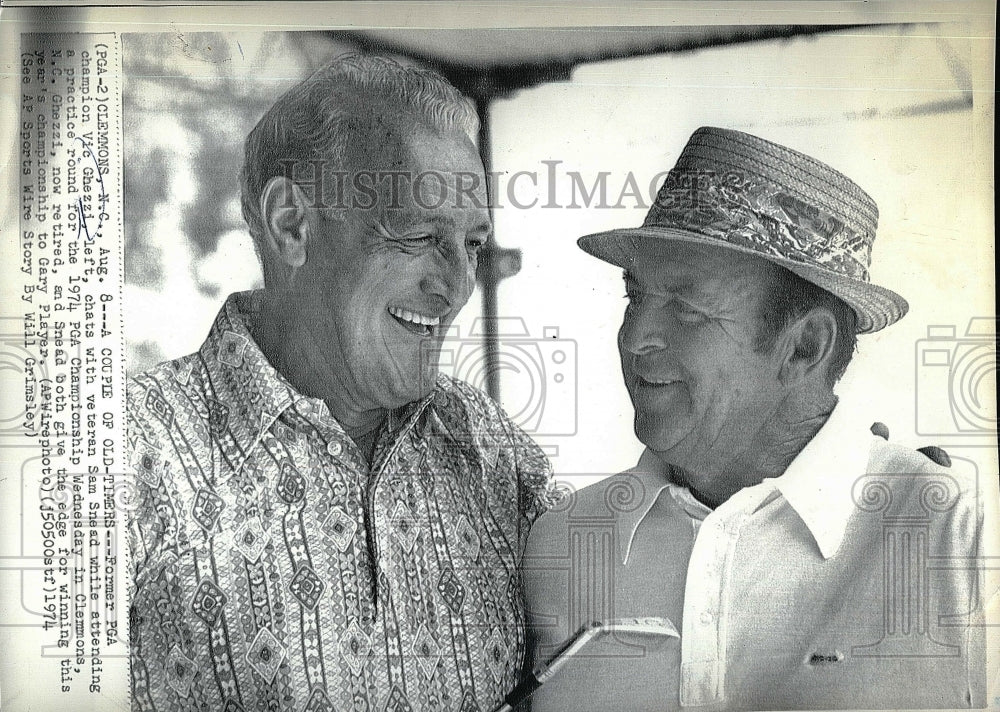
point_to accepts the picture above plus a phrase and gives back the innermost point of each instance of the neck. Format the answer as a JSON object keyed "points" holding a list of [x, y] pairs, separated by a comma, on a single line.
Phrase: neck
{"points": [[291, 350], [773, 447], [784, 438]]}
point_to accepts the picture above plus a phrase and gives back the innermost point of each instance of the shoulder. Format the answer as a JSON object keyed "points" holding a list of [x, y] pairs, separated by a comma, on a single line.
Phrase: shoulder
{"points": [[454, 395], [467, 414], [157, 400], [602, 502], [465, 409], [170, 378], [909, 465], [154, 393], [609, 497], [617, 496], [890, 456], [902, 482]]}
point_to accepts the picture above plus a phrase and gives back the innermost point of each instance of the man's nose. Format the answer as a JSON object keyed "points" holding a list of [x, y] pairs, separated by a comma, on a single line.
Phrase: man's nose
{"points": [[643, 331], [450, 278]]}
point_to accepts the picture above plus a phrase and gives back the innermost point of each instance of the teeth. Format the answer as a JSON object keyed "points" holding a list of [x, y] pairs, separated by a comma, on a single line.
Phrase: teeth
{"points": [[408, 315]]}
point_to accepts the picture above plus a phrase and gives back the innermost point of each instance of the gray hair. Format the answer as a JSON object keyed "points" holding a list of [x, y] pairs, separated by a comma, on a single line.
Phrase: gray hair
{"points": [[319, 118]]}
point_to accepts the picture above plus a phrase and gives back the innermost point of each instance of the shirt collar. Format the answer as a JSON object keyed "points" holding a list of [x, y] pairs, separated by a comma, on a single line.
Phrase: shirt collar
{"points": [[817, 483], [650, 476], [243, 383], [253, 394]]}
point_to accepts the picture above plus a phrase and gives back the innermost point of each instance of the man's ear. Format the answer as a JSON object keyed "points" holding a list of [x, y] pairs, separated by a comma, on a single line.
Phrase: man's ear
{"points": [[808, 346], [286, 229]]}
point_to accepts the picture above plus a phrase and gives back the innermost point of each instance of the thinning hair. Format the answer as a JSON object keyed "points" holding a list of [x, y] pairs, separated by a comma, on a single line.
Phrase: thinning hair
{"points": [[790, 297], [338, 107]]}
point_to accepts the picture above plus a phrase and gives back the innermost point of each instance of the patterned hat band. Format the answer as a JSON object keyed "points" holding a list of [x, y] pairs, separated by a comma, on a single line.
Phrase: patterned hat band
{"points": [[734, 190], [740, 209]]}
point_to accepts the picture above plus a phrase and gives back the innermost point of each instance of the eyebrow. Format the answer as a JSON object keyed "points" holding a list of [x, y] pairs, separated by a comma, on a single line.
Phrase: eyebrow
{"points": [[400, 220], [484, 226], [683, 287], [630, 278], [405, 218]]}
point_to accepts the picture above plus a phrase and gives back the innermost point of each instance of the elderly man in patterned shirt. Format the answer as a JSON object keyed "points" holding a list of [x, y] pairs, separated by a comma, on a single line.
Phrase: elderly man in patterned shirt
{"points": [[324, 522]]}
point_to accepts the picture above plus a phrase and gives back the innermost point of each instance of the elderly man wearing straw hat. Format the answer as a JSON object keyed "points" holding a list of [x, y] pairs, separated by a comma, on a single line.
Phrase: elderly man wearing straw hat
{"points": [[805, 561]]}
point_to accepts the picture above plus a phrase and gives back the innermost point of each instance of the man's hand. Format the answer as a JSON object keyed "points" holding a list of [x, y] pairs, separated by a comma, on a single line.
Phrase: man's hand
{"points": [[932, 452]]}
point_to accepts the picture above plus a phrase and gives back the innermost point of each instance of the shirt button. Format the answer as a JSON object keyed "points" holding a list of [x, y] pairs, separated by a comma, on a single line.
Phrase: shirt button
{"points": [[707, 618], [334, 448]]}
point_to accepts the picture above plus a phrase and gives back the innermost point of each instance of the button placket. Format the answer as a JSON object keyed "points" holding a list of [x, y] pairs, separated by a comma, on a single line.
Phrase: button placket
{"points": [[704, 663], [702, 644]]}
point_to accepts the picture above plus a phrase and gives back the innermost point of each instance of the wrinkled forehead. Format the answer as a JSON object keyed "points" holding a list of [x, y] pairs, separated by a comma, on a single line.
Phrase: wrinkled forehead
{"points": [[675, 266], [404, 141], [416, 170]]}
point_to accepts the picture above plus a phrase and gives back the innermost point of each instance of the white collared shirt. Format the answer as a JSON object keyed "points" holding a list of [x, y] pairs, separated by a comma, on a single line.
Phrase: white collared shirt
{"points": [[843, 583]]}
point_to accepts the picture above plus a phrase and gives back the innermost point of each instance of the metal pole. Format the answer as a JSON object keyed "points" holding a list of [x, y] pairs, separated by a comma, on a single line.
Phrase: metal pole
{"points": [[489, 276]]}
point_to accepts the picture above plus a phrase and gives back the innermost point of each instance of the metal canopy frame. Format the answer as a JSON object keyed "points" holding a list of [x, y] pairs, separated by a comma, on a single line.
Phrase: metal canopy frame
{"points": [[486, 82]]}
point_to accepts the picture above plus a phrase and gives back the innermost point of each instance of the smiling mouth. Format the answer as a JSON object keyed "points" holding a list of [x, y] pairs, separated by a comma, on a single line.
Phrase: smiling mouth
{"points": [[414, 322]]}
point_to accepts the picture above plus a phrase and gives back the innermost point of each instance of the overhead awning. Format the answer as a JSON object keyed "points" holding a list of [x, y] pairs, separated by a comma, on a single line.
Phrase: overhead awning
{"points": [[486, 63]]}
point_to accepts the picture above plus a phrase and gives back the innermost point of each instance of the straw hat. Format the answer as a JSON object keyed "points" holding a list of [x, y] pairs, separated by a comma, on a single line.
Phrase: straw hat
{"points": [[743, 193]]}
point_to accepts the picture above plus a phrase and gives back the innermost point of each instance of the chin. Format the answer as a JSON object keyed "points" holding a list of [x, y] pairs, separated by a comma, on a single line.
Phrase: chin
{"points": [[420, 386], [650, 431]]}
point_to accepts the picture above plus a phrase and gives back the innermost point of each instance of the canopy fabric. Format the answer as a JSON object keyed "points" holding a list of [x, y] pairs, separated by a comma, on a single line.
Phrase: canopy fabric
{"points": [[488, 49]]}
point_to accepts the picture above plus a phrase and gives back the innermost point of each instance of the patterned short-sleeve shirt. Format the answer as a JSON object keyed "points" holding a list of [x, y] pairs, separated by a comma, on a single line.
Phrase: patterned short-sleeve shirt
{"points": [[274, 568]]}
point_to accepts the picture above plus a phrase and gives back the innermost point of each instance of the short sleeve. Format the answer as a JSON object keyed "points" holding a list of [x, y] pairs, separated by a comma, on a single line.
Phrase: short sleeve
{"points": [[520, 455], [537, 491], [534, 472]]}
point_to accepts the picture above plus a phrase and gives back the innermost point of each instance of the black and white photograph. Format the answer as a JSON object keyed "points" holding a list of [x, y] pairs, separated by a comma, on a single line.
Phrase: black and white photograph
{"points": [[449, 356]]}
